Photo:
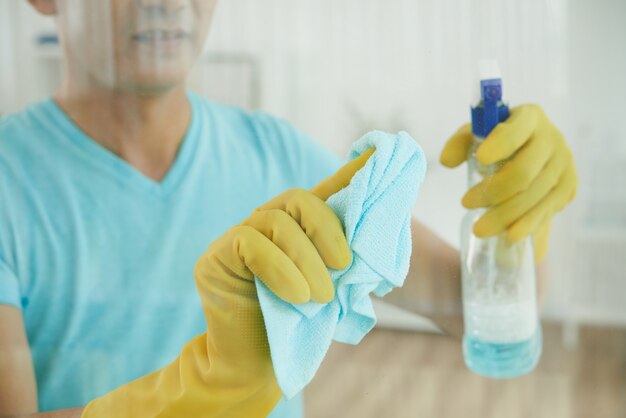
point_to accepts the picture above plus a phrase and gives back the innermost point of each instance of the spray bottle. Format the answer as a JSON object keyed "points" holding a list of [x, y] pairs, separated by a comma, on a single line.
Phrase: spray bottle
{"points": [[502, 330]]}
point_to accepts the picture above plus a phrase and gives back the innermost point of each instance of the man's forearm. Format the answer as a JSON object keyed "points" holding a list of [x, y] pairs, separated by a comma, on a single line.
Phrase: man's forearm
{"points": [[64, 413], [433, 287]]}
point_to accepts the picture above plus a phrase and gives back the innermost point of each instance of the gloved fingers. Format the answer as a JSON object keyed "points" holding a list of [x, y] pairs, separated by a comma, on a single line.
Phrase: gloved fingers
{"points": [[552, 203], [573, 195], [316, 218], [570, 180], [541, 238], [287, 235], [573, 179], [319, 223], [514, 177], [499, 218], [331, 185], [510, 135], [457, 147], [242, 253]]}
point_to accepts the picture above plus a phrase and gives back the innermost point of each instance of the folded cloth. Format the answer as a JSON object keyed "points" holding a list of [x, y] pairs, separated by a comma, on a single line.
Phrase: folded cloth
{"points": [[375, 209]]}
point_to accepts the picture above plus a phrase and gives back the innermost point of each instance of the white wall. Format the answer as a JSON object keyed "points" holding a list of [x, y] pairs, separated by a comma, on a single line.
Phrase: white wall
{"points": [[337, 68], [26, 72], [595, 244]]}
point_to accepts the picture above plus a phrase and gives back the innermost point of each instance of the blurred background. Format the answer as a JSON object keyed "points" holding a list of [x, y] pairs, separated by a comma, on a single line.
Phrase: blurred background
{"points": [[339, 68]]}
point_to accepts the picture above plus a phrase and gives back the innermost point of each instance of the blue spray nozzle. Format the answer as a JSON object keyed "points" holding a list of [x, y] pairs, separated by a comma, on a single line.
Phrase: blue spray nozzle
{"points": [[491, 110]]}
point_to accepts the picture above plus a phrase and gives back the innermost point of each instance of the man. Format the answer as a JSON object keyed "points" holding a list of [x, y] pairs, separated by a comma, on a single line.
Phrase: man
{"points": [[112, 190]]}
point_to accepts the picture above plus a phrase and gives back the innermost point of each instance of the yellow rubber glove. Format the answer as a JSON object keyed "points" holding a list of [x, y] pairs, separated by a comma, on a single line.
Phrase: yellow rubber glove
{"points": [[227, 372], [537, 179]]}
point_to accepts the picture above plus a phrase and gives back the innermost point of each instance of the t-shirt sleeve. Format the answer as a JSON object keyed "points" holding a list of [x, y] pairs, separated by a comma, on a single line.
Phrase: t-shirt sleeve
{"points": [[307, 160], [9, 286]]}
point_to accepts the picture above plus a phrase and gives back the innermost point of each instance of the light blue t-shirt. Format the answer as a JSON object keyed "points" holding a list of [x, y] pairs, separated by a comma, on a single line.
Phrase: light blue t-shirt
{"points": [[100, 258]]}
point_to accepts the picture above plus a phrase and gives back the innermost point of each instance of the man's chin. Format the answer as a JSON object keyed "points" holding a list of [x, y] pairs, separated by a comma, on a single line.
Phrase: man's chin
{"points": [[152, 87]]}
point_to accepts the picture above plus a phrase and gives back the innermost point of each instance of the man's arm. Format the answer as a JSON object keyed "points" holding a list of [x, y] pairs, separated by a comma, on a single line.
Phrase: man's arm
{"points": [[433, 285], [18, 388], [65, 413]]}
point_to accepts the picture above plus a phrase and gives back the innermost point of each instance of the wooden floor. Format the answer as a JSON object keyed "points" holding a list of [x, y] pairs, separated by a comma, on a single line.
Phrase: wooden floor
{"points": [[394, 374]]}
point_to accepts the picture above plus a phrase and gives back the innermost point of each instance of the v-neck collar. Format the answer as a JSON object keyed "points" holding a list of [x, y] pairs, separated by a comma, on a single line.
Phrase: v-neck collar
{"points": [[124, 172]]}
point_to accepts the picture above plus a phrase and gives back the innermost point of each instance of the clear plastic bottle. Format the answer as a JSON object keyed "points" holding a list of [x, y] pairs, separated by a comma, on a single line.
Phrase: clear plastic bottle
{"points": [[502, 330]]}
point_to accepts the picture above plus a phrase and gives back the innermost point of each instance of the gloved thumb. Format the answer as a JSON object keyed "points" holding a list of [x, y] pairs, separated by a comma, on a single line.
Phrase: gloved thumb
{"points": [[455, 151], [331, 185]]}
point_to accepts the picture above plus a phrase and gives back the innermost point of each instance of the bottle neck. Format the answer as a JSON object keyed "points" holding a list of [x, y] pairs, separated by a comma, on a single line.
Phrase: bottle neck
{"points": [[476, 172]]}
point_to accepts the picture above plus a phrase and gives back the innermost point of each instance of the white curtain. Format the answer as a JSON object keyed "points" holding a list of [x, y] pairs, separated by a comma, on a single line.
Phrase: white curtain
{"points": [[337, 68], [7, 55]]}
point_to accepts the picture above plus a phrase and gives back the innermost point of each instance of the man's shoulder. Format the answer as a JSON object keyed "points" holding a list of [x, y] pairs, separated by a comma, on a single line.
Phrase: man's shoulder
{"points": [[25, 144], [13, 137], [10, 127], [276, 141], [259, 124], [17, 129]]}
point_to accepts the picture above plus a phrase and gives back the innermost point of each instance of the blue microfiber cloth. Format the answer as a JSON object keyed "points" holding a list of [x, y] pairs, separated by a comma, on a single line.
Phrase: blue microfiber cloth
{"points": [[375, 209]]}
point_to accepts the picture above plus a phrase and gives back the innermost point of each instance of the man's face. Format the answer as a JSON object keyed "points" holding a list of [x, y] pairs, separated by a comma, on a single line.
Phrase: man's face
{"points": [[145, 46]]}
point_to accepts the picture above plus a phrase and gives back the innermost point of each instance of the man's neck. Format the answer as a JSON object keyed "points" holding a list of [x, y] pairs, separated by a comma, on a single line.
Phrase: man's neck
{"points": [[146, 131]]}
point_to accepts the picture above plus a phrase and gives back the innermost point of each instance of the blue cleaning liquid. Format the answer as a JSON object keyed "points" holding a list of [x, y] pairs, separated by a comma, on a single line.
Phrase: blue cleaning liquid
{"points": [[501, 360]]}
